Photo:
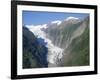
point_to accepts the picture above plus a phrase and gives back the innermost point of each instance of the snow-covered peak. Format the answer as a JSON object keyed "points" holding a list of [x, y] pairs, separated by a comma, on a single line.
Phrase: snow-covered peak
{"points": [[44, 26], [38, 26], [71, 18], [58, 22], [31, 26]]}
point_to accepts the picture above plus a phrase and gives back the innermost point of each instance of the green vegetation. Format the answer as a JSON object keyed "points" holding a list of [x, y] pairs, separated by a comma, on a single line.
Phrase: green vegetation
{"points": [[78, 51], [34, 54], [28, 60]]}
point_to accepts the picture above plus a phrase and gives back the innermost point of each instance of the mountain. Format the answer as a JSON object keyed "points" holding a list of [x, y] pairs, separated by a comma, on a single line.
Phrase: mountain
{"points": [[54, 52], [63, 43], [69, 35], [77, 53], [34, 52], [60, 35]]}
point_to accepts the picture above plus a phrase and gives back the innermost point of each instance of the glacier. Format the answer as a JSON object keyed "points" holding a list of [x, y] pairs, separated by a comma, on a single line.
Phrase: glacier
{"points": [[54, 52]]}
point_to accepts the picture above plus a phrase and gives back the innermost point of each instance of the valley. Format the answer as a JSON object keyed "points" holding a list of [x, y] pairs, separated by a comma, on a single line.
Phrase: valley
{"points": [[57, 44]]}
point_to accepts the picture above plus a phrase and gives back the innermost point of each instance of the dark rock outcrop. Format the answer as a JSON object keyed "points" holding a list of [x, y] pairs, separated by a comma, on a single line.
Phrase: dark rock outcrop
{"points": [[34, 52]]}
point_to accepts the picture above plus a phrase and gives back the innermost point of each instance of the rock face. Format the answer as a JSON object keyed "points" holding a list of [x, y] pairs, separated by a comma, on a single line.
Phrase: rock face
{"points": [[58, 44], [63, 34], [69, 35], [34, 51]]}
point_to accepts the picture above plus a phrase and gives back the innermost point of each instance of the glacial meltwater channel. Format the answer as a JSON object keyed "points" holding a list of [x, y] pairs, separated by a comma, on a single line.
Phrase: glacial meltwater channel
{"points": [[54, 52]]}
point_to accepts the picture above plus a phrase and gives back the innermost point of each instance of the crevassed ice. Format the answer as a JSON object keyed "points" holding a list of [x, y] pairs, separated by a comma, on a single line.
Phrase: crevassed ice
{"points": [[54, 52]]}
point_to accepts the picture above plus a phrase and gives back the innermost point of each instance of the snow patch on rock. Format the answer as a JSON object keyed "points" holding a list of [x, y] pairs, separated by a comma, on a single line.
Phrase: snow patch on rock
{"points": [[71, 18], [58, 22]]}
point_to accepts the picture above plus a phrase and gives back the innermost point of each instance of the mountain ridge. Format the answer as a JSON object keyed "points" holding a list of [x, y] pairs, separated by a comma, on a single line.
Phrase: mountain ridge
{"points": [[59, 36]]}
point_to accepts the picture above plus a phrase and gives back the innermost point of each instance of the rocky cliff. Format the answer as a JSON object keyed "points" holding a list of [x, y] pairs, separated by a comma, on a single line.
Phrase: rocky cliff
{"points": [[73, 36], [34, 52]]}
